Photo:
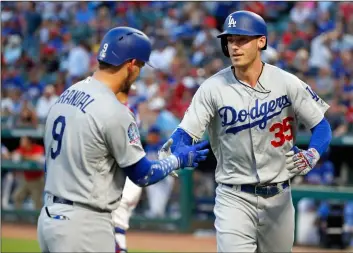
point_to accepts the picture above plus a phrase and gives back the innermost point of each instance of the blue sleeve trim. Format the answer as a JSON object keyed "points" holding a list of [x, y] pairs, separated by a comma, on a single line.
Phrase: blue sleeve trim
{"points": [[180, 137], [145, 172], [321, 136]]}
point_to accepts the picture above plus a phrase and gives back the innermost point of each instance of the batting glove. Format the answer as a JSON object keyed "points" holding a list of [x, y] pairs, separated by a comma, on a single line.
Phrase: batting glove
{"points": [[300, 162], [190, 156], [165, 152]]}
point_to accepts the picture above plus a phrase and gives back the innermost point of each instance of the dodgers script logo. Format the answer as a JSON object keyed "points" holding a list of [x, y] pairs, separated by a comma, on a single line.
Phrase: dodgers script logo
{"points": [[260, 114]]}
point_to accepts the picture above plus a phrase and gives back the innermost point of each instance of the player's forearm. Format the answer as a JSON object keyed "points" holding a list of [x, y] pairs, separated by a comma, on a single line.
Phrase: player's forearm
{"points": [[146, 172], [321, 136]]}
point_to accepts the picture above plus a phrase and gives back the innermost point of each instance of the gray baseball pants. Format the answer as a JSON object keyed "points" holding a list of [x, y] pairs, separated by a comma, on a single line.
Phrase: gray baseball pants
{"points": [[73, 228], [246, 222]]}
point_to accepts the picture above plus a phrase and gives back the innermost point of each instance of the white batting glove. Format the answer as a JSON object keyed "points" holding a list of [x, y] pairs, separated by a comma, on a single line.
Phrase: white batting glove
{"points": [[164, 152], [300, 162]]}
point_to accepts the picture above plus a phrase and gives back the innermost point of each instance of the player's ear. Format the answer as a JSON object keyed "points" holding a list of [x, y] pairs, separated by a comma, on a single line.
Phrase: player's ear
{"points": [[131, 65], [261, 42]]}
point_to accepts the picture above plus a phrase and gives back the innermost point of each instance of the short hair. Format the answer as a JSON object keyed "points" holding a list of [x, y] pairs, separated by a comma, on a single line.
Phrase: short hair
{"points": [[108, 67]]}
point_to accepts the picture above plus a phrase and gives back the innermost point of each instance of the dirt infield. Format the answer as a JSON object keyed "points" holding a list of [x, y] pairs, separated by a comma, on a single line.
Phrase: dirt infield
{"points": [[147, 241]]}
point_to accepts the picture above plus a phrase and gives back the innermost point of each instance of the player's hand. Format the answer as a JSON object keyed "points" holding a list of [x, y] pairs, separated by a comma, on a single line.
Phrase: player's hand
{"points": [[164, 152], [190, 156], [300, 162]]}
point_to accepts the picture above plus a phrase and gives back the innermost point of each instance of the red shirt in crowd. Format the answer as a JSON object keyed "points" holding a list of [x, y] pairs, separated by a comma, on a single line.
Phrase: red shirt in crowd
{"points": [[35, 150]]}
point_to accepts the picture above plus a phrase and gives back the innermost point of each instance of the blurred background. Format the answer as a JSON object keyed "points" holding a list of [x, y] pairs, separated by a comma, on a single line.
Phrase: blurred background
{"points": [[48, 46]]}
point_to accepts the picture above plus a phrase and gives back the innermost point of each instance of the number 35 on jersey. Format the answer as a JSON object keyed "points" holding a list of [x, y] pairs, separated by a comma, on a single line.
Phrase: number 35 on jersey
{"points": [[283, 131]]}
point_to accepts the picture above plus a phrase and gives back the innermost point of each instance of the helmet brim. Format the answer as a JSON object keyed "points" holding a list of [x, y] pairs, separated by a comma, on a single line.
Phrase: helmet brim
{"points": [[150, 65], [238, 32]]}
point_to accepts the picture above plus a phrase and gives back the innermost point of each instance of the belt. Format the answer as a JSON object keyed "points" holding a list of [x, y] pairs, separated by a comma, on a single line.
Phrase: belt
{"points": [[59, 200], [262, 190]]}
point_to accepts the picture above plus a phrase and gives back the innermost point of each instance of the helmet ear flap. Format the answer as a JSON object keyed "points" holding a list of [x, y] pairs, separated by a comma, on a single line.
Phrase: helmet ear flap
{"points": [[224, 43]]}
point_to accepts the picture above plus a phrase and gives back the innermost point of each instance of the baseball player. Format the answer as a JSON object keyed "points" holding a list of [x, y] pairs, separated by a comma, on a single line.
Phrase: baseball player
{"points": [[251, 110], [92, 143]]}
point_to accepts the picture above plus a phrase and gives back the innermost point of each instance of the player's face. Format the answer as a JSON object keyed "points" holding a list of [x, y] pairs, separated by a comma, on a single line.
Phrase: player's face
{"points": [[244, 50]]}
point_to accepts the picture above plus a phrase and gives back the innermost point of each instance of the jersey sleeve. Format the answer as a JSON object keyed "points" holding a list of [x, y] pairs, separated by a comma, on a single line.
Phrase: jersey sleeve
{"points": [[198, 115], [123, 140], [307, 105]]}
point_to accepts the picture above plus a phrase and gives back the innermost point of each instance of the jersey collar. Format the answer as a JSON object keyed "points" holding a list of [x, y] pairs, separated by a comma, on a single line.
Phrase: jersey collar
{"points": [[259, 87]]}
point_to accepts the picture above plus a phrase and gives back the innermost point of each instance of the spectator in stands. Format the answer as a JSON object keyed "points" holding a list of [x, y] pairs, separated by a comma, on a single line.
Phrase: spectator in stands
{"points": [[147, 86], [325, 84], [163, 118], [45, 102], [336, 117], [84, 15], [11, 78], [162, 55], [50, 64], [6, 104], [32, 184], [13, 49], [347, 91], [182, 96], [324, 21], [15, 100], [7, 180], [301, 13], [32, 21], [321, 55], [34, 87], [293, 38], [344, 40], [78, 60], [27, 117]]}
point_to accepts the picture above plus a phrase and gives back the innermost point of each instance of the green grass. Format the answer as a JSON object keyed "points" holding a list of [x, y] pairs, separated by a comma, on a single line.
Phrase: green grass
{"points": [[19, 245], [23, 245]]}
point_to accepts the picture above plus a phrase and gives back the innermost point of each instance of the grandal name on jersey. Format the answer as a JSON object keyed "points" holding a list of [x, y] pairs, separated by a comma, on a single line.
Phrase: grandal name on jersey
{"points": [[76, 98]]}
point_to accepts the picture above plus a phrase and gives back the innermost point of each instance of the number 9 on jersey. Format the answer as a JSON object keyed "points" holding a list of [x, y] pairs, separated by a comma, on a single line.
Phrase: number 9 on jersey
{"points": [[58, 133]]}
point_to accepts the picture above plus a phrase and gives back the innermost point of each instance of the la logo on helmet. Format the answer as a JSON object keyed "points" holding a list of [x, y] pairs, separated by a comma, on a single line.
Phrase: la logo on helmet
{"points": [[232, 22]]}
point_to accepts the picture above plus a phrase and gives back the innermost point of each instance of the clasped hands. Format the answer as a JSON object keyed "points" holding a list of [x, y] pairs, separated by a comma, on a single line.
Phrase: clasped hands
{"points": [[188, 156]]}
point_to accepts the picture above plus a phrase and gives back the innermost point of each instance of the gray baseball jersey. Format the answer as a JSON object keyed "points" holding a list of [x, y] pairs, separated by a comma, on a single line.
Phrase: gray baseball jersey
{"points": [[89, 137], [251, 129]]}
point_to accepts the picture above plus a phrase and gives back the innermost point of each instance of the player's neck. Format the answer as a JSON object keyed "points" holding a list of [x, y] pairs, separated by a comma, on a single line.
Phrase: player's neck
{"points": [[113, 82], [122, 97], [250, 74]]}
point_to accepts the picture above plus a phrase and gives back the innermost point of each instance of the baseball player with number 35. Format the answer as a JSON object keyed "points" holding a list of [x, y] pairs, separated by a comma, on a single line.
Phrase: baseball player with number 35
{"points": [[251, 110], [92, 143]]}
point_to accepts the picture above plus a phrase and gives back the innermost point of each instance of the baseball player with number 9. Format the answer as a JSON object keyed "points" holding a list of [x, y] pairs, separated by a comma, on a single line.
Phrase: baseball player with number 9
{"points": [[92, 143], [251, 110]]}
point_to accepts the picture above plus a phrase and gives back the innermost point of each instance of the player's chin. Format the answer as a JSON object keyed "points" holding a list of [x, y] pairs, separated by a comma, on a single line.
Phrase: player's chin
{"points": [[238, 64]]}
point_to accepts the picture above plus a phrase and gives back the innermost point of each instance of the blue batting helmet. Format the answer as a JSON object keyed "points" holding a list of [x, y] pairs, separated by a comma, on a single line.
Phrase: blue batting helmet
{"points": [[242, 23], [121, 44]]}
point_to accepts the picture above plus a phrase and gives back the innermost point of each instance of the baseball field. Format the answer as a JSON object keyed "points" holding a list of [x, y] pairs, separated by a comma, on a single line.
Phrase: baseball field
{"points": [[23, 238]]}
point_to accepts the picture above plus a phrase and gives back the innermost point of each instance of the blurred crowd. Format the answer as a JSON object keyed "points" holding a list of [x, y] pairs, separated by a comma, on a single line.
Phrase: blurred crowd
{"points": [[48, 46]]}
